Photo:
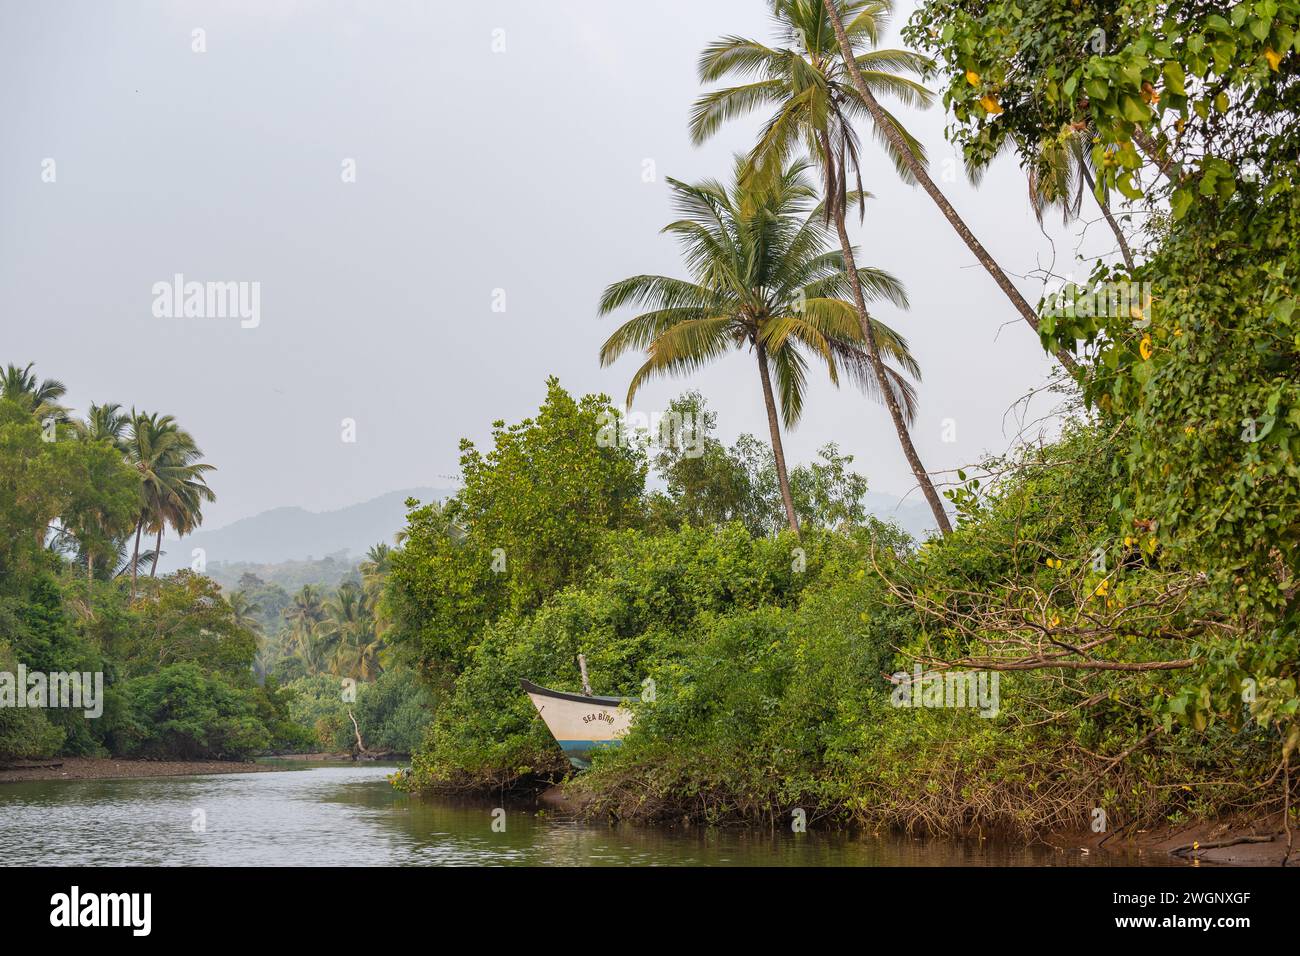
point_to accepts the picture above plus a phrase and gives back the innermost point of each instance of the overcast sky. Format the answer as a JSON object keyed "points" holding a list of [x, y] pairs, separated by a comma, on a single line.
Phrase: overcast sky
{"points": [[476, 170]]}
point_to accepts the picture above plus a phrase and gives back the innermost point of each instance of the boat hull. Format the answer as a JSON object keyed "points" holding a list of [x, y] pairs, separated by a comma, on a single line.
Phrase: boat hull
{"points": [[580, 724]]}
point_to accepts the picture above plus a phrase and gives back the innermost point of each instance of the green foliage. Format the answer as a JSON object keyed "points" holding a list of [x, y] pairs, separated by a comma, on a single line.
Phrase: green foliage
{"points": [[392, 711], [24, 732], [784, 686], [637, 610], [174, 654], [82, 488], [181, 713], [184, 618], [765, 279], [545, 493], [285, 576], [1199, 385], [316, 703], [526, 523], [1208, 398], [1036, 70], [275, 709], [707, 484]]}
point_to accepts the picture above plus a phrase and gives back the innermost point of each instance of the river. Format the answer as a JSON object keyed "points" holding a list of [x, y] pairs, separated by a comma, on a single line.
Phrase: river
{"points": [[349, 815]]}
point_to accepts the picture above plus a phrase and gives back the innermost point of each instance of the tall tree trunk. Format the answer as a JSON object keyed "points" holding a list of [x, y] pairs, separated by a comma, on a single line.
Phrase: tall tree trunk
{"points": [[153, 572], [1110, 219], [135, 558], [886, 387], [778, 451], [896, 140], [1148, 146]]}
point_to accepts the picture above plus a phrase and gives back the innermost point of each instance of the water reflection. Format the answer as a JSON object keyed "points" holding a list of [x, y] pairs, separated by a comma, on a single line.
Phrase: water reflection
{"points": [[349, 815]]}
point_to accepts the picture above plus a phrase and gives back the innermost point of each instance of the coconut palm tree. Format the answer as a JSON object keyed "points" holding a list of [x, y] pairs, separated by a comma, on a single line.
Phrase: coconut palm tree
{"points": [[764, 280], [374, 568], [40, 397], [183, 507], [815, 109], [864, 22], [104, 423], [374, 573], [306, 611], [108, 424], [244, 611], [348, 633], [171, 477]]}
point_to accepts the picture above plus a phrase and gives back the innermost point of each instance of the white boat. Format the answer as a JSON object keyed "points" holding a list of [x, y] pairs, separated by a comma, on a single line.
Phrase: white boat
{"points": [[580, 723]]}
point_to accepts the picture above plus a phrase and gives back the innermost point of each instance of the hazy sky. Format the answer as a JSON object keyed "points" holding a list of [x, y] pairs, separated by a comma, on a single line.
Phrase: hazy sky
{"points": [[476, 170]]}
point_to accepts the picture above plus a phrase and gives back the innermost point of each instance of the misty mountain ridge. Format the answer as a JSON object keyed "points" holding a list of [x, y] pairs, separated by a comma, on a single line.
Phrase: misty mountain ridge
{"points": [[292, 533]]}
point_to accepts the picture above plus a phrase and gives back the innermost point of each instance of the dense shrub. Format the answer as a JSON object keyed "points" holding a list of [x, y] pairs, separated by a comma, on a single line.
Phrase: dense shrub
{"points": [[24, 732], [392, 712], [645, 606], [181, 713]]}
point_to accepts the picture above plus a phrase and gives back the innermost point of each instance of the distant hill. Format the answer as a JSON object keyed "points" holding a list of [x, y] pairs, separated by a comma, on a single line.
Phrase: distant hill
{"points": [[913, 515], [296, 534]]}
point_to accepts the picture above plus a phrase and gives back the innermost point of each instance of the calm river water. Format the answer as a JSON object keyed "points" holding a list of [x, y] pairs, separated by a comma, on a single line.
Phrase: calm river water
{"points": [[349, 815]]}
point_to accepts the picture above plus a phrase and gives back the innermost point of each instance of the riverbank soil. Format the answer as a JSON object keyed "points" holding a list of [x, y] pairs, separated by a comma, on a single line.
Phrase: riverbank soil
{"points": [[108, 768], [1262, 843]]}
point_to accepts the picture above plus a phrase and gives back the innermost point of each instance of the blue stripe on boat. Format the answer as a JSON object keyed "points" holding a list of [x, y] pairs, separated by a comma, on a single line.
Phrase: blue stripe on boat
{"points": [[582, 746], [578, 750]]}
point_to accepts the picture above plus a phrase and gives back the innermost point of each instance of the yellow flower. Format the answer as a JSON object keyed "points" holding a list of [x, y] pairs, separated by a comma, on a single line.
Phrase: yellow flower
{"points": [[1145, 347], [1188, 430], [991, 106], [1055, 620], [1102, 588], [1273, 57], [1128, 541], [972, 78]]}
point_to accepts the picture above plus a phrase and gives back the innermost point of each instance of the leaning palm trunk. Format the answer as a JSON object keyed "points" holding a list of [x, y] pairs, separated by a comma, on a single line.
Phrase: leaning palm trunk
{"points": [[1110, 219], [1148, 145], [778, 451], [157, 548], [135, 557], [886, 387], [883, 123]]}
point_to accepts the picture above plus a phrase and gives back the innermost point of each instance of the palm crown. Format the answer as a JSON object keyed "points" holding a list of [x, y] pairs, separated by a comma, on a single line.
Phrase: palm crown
{"points": [[38, 396], [803, 80], [171, 476], [764, 278]]}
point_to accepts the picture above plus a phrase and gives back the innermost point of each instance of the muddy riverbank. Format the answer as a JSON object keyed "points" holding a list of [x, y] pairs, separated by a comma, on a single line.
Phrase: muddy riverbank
{"points": [[1234, 843], [112, 768]]}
